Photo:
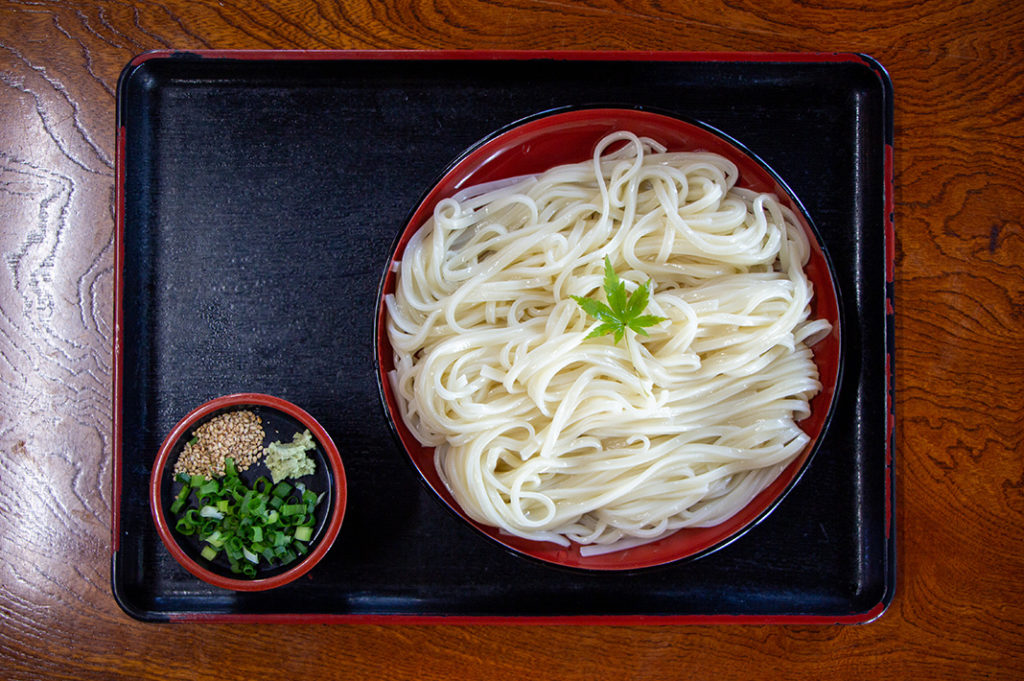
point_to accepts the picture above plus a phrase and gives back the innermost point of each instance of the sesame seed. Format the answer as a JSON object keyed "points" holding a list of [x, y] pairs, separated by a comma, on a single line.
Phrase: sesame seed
{"points": [[238, 434]]}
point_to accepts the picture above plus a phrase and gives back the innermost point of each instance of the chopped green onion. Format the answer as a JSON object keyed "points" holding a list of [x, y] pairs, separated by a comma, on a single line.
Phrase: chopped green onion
{"points": [[183, 526], [180, 500], [265, 525], [210, 512], [254, 506], [250, 556], [292, 509]]}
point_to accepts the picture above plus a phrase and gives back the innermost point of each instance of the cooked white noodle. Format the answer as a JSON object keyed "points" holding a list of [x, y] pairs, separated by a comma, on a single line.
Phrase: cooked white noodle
{"points": [[552, 436]]}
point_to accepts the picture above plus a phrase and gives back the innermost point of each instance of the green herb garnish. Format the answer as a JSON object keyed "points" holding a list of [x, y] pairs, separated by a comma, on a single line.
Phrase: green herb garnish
{"points": [[621, 312], [265, 525]]}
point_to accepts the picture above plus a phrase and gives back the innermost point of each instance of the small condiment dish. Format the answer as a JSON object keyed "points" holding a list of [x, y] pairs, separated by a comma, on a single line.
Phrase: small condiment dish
{"points": [[281, 421]]}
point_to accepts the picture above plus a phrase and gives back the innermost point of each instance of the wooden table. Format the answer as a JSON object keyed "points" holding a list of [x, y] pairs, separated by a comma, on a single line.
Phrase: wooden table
{"points": [[958, 72]]}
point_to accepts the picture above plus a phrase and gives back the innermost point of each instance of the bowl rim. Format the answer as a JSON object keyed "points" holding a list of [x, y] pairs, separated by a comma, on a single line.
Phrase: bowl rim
{"points": [[801, 463], [338, 497]]}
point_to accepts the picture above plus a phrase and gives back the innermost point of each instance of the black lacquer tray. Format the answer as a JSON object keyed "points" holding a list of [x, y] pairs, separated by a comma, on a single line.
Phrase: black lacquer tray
{"points": [[258, 195]]}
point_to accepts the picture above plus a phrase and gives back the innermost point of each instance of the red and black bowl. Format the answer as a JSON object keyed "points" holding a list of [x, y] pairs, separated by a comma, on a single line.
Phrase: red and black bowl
{"points": [[570, 135], [281, 420]]}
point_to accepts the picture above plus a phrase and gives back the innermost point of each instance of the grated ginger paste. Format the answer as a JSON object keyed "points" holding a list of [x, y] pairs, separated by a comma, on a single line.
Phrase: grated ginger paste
{"points": [[290, 460]]}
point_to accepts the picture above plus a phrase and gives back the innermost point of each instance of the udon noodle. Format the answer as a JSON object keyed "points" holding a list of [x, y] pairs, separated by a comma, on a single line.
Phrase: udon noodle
{"points": [[552, 436]]}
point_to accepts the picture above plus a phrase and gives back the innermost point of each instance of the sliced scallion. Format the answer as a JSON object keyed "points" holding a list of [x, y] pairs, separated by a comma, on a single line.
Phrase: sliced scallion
{"points": [[266, 525]]}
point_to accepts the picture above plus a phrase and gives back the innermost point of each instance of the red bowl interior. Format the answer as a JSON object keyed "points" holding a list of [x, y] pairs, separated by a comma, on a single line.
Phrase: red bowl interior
{"points": [[542, 142], [334, 473]]}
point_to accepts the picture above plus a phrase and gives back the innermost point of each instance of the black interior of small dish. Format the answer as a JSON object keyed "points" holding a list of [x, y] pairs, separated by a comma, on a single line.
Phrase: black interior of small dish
{"points": [[277, 426]]}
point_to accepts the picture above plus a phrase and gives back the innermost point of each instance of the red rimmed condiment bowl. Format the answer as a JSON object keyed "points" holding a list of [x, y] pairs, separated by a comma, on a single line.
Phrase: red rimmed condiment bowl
{"points": [[280, 421]]}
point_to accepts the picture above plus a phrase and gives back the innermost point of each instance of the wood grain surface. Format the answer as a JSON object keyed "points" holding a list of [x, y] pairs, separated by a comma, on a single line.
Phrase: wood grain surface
{"points": [[958, 72]]}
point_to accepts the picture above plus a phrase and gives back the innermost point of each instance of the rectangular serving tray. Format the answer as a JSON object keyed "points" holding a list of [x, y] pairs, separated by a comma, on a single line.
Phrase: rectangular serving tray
{"points": [[258, 195]]}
